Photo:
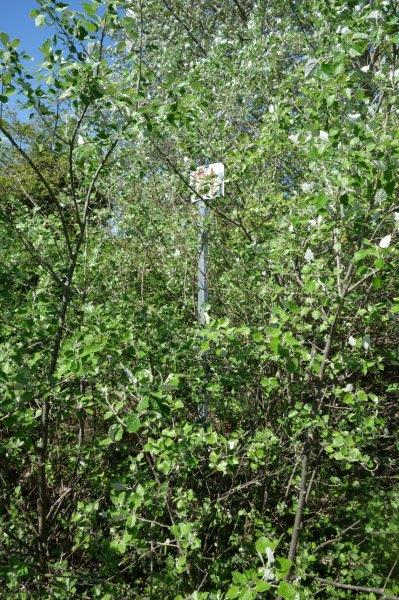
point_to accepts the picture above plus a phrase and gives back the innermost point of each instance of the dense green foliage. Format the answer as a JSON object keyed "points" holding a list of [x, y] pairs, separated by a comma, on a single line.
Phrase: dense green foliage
{"points": [[114, 481]]}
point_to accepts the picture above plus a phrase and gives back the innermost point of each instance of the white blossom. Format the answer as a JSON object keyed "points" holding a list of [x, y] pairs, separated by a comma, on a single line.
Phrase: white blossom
{"points": [[380, 195], [316, 222], [385, 242], [309, 256], [268, 574], [270, 556], [294, 138], [307, 187], [375, 14]]}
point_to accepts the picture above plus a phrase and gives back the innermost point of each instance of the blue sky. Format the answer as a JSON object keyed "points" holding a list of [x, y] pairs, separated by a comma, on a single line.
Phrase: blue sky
{"points": [[15, 20]]}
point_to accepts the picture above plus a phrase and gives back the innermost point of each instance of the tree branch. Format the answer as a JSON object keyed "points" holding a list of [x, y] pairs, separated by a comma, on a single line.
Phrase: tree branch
{"points": [[242, 12], [359, 588], [39, 174], [33, 252], [70, 161], [338, 537], [299, 510], [185, 26]]}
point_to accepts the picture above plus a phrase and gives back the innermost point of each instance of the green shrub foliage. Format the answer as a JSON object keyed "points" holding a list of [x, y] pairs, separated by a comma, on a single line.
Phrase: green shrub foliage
{"points": [[115, 482]]}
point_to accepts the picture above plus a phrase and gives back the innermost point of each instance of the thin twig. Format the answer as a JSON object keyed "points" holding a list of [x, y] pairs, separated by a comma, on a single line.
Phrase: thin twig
{"points": [[338, 537], [359, 588], [310, 485], [94, 179], [291, 478], [141, 50], [70, 161], [299, 510], [390, 574], [360, 281], [238, 488]]}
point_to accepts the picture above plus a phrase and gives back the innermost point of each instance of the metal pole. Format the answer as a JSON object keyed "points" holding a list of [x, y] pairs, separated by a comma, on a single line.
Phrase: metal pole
{"points": [[216, 188], [203, 294]]}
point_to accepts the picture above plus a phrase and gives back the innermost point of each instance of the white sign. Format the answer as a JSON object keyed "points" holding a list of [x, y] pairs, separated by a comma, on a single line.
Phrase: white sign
{"points": [[208, 181]]}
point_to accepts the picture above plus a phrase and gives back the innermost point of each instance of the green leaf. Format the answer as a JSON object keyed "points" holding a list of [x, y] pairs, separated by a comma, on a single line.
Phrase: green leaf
{"points": [[248, 594], [90, 8], [284, 565], [365, 253], [116, 432], [45, 47], [262, 544], [275, 344], [10, 90], [4, 38], [269, 383], [89, 26], [181, 564], [262, 586], [286, 590], [233, 592], [119, 544], [92, 348], [132, 423]]}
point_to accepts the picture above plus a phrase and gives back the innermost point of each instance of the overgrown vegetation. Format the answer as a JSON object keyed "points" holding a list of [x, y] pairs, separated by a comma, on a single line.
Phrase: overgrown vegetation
{"points": [[114, 483]]}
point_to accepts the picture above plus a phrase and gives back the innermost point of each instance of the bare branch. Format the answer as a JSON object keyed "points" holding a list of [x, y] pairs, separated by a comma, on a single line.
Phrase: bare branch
{"points": [[359, 588], [238, 488], [388, 577], [291, 478], [71, 145], [338, 537], [362, 280]]}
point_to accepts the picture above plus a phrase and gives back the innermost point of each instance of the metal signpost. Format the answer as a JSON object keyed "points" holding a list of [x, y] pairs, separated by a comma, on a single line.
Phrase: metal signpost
{"points": [[208, 182]]}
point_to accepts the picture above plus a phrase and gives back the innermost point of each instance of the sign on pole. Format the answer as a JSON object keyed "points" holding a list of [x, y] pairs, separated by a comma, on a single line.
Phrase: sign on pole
{"points": [[208, 182]]}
